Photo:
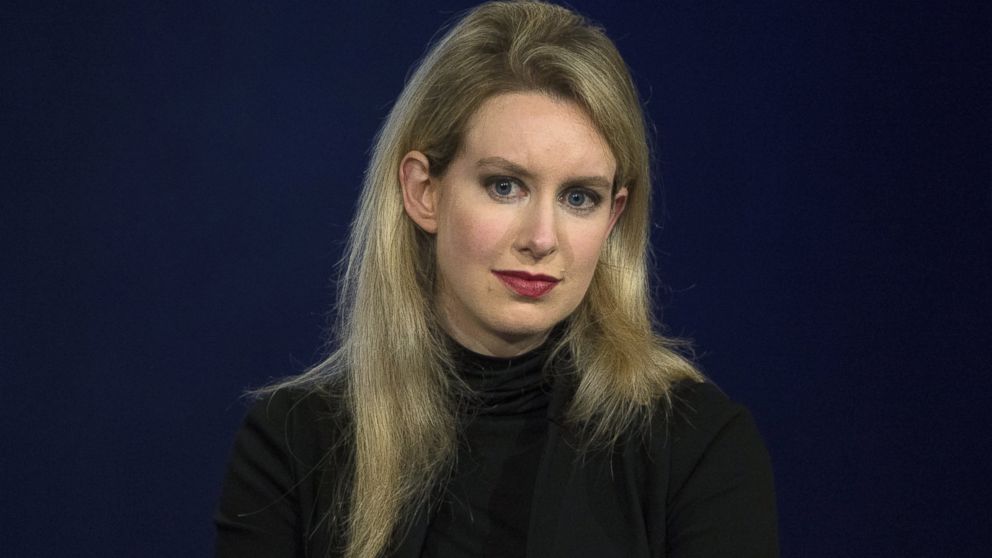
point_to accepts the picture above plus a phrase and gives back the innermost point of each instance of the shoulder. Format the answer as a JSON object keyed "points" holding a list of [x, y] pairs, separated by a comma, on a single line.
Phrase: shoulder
{"points": [[284, 458], [294, 427], [720, 491], [702, 423], [294, 406], [295, 424], [699, 412]]}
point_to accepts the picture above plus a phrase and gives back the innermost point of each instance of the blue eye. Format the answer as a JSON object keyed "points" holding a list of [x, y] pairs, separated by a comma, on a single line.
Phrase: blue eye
{"points": [[503, 188], [582, 200], [576, 199]]}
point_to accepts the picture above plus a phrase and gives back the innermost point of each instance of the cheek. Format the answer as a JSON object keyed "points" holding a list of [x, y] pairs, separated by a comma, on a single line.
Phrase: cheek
{"points": [[469, 237], [585, 246]]}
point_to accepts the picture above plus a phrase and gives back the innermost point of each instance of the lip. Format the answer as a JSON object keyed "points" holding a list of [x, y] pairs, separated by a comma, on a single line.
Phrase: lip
{"points": [[525, 284]]}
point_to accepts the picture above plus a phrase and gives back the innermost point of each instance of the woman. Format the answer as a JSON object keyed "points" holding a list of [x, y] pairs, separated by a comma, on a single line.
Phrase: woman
{"points": [[496, 387]]}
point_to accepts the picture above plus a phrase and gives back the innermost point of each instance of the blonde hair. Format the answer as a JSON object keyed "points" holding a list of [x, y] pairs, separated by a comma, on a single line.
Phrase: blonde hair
{"points": [[390, 354]]}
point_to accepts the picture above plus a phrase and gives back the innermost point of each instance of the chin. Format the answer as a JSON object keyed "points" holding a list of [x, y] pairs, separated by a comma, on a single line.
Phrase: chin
{"points": [[517, 326]]}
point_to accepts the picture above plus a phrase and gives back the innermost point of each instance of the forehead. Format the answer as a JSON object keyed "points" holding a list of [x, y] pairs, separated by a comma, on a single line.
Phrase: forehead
{"points": [[540, 133]]}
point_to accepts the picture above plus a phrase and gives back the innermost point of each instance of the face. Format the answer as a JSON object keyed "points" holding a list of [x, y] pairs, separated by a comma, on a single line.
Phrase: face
{"points": [[520, 217]]}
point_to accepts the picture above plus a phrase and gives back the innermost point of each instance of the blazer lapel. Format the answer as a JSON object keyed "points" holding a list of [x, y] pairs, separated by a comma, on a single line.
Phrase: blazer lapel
{"points": [[583, 505], [554, 476]]}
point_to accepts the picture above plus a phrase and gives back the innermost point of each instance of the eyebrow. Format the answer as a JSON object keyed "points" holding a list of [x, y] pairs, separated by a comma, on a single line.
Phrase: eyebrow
{"points": [[505, 165], [510, 167]]}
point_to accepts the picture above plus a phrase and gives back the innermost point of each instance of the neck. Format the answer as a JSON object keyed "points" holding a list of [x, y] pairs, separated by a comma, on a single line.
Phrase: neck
{"points": [[496, 346], [503, 346]]}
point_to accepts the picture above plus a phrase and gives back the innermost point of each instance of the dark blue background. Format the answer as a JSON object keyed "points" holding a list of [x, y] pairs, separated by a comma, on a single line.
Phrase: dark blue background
{"points": [[178, 179]]}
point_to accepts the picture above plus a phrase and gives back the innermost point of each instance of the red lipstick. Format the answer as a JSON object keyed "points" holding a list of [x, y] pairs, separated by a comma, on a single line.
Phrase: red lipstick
{"points": [[527, 284]]}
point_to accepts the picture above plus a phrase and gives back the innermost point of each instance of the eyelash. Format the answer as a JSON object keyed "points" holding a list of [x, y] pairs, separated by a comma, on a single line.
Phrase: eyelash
{"points": [[592, 198]]}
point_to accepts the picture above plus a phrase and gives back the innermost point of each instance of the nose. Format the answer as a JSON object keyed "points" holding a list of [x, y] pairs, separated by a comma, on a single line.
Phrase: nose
{"points": [[537, 235]]}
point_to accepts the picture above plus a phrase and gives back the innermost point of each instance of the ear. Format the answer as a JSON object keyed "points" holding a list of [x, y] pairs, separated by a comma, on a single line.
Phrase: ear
{"points": [[619, 203], [420, 194]]}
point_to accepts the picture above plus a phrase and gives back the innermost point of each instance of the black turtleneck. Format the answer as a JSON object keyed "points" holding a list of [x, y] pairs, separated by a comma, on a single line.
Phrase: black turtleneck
{"points": [[485, 509], [699, 486]]}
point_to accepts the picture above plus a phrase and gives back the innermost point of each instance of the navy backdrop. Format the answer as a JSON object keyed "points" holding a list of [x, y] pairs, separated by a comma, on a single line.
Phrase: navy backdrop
{"points": [[178, 178]]}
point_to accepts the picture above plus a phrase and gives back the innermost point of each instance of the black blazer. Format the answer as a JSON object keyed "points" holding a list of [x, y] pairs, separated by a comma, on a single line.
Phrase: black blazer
{"points": [[698, 485]]}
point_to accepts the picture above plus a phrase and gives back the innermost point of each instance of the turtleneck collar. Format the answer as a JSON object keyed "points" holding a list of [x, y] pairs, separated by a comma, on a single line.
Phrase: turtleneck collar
{"points": [[505, 386]]}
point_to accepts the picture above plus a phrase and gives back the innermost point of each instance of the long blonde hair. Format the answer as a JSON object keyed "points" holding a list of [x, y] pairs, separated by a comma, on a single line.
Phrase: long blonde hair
{"points": [[389, 352]]}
